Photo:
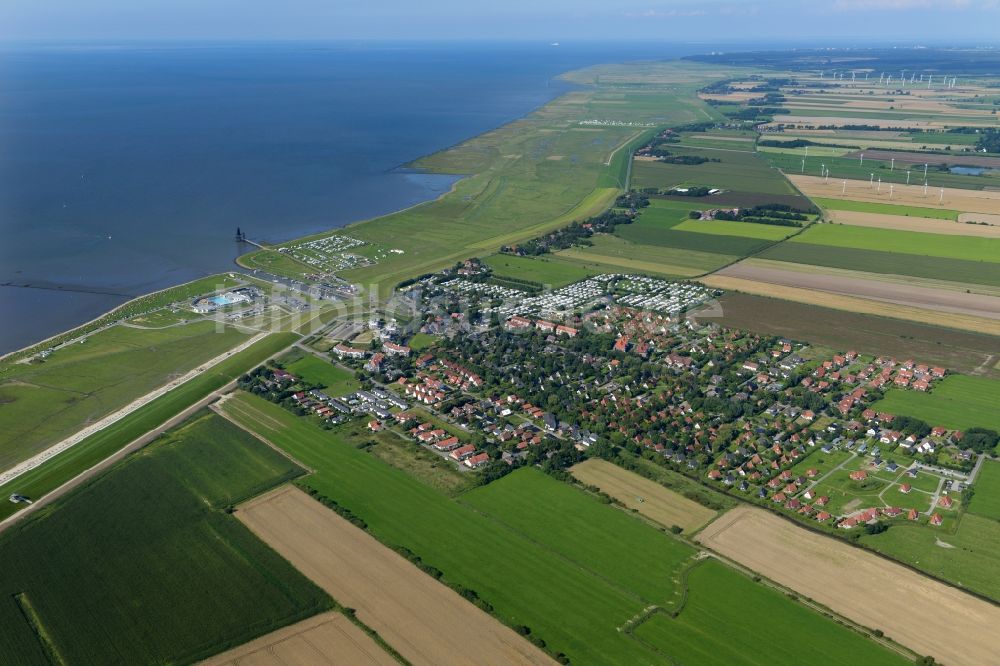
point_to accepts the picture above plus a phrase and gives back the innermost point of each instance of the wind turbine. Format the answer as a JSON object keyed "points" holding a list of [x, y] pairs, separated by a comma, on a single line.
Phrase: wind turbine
{"points": [[892, 164], [871, 180], [891, 187], [843, 190], [941, 200], [925, 173], [907, 176], [879, 188], [862, 162]]}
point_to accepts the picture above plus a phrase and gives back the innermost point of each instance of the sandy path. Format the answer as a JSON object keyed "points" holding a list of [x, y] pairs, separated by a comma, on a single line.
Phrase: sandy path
{"points": [[327, 639], [661, 504], [966, 201], [427, 622], [924, 615], [900, 293], [924, 224]]}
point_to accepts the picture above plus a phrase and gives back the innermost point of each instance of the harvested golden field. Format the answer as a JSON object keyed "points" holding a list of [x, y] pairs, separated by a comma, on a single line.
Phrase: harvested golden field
{"points": [[425, 621], [967, 201], [328, 638], [852, 283], [925, 224], [639, 493], [853, 304], [927, 616]]}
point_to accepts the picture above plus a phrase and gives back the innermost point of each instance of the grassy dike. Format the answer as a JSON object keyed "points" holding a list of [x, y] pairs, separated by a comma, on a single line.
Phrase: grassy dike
{"points": [[100, 445]]}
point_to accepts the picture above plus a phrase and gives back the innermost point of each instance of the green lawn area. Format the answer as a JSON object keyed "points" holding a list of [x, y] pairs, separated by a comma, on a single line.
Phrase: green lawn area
{"points": [[544, 270], [141, 565], [967, 248], [957, 401], [755, 622], [745, 229], [100, 445], [611, 542], [888, 209], [422, 341], [42, 403], [575, 610], [986, 499], [973, 563], [336, 381], [848, 495]]}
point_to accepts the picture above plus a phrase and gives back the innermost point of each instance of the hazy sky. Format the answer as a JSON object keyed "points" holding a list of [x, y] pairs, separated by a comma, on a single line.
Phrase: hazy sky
{"points": [[955, 21]]}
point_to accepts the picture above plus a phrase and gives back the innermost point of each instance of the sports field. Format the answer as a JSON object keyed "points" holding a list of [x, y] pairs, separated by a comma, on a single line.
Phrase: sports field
{"points": [[107, 569], [42, 403], [335, 381], [928, 617], [325, 640], [957, 401], [722, 602], [411, 611], [638, 493]]}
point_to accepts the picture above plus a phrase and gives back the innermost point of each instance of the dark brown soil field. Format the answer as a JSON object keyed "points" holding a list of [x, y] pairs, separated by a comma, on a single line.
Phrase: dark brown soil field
{"points": [[929, 158], [957, 350]]}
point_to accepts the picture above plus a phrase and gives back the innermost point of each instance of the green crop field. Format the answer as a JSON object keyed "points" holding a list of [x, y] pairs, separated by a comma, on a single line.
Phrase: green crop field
{"points": [[641, 234], [967, 248], [884, 262], [42, 403], [887, 209], [957, 401], [100, 445], [609, 542], [528, 177], [972, 563], [573, 609], [745, 229], [986, 499], [739, 169], [619, 255], [755, 622], [141, 565], [545, 270], [336, 381]]}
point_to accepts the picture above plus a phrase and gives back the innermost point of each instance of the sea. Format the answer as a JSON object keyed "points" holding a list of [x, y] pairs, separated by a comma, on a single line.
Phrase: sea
{"points": [[127, 167]]}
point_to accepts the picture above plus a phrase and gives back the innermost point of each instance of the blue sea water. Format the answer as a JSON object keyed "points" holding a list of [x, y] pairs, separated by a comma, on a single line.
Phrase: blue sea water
{"points": [[127, 168]]}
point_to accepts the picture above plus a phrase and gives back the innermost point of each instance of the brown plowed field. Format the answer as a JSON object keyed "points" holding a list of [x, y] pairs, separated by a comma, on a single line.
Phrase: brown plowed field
{"points": [[926, 158], [326, 639], [900, 293], [966, 201], [928, 617], [425, 621], [658, 503], [925, 224]]}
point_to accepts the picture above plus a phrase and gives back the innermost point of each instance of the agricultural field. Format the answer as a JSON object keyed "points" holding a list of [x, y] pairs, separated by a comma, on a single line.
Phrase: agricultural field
{"points": [[100, 445], [411, 611], [587, 533], [926, 616], [611, 253], [957, 401], [965, 248], [952, 199], [638, 493], [42, 403], [921, 224], [328, 636], [838, 329], [886, 208], [986, 498], [738, 169], [544, 270], [103, 572], [722, 602], [745, 229], [314, 370], [733, 245]]}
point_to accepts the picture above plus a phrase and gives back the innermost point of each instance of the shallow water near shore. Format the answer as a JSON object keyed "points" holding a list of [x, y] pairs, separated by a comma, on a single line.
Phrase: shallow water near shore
{"points": [[127, 168]]}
